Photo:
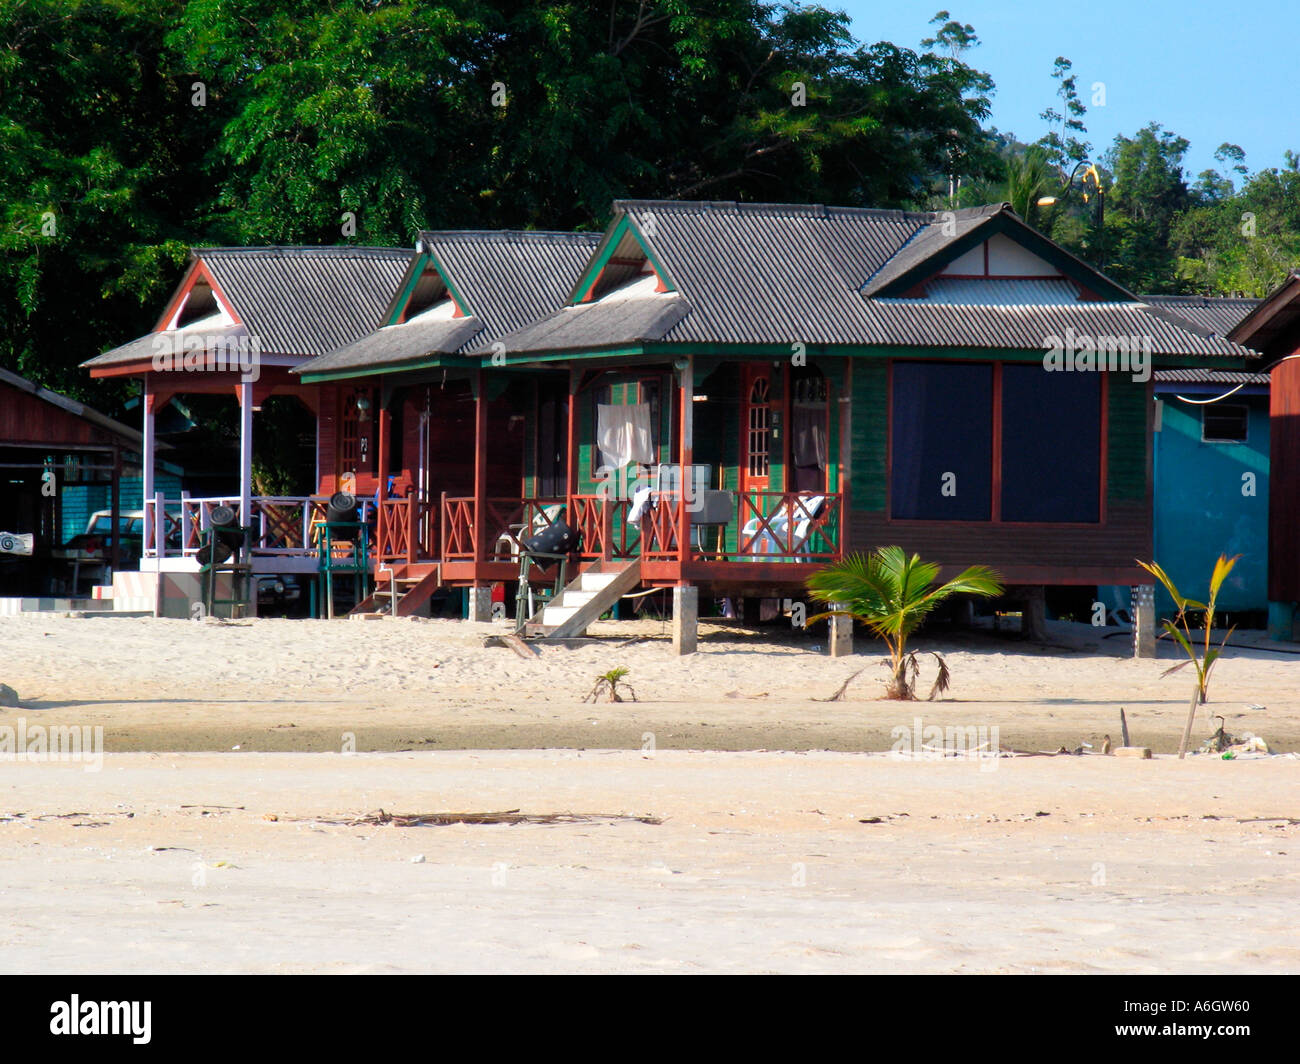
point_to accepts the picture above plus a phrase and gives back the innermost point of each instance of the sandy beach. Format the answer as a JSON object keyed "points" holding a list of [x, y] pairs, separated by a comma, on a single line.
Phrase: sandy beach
{"points": [[286, 685], [762, 863], [733, 822]]}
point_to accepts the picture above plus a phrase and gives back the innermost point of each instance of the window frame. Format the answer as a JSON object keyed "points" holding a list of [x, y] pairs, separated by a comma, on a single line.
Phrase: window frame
{"points": [[1245, 410], [995, 518]]}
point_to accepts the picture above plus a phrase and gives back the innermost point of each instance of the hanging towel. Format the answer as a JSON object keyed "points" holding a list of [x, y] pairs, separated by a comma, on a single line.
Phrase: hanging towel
{"points": [[623, 435]]}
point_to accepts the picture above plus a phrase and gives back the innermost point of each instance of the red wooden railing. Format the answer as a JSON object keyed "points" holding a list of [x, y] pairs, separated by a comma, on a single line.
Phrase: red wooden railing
{"points": [[406, 530], [771, 526], [506, 521], [602, 521], [664, 529], [789, 526]]}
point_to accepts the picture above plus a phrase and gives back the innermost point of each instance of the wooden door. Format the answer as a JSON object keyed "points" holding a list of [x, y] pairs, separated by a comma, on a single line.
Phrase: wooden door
{"points": [[756, 443]]}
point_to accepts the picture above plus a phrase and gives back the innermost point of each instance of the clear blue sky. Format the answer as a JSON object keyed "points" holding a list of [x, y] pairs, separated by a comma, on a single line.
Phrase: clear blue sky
{"points": [[1209, 71]]}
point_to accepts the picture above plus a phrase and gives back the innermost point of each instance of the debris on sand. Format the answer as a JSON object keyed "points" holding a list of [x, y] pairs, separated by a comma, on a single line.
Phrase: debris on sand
{"points": [[507, 816]]}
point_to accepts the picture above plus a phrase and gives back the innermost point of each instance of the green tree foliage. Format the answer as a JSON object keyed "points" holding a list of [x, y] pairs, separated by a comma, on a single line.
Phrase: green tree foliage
{"points": [[98, 192], [1147, 192], [148, 126], [1240, 243], [1062, 142]]}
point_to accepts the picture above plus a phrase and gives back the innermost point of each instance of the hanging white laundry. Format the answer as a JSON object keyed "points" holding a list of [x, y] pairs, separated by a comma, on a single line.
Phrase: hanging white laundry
{"points": [[623, 435]]}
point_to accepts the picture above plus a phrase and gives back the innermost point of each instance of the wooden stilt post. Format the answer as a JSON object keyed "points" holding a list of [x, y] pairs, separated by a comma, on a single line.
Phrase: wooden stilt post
{"points": [[571, 446], [480, 595], [382, 462]]}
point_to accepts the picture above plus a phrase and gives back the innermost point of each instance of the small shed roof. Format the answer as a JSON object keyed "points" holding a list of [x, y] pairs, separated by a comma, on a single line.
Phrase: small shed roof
{"points": [[72, 407]]}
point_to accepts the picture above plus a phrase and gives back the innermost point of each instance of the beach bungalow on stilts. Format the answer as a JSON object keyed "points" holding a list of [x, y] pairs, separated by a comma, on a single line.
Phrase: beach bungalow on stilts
{"points": [[467, 455], [731, 395], [238, 322]]}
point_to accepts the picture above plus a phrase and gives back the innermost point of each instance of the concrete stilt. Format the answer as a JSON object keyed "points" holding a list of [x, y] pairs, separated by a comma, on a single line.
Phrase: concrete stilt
{"points": [[1144, 620], [686, 619], [1033, 615], [1282, 621], [480, 603], [840, 636]]}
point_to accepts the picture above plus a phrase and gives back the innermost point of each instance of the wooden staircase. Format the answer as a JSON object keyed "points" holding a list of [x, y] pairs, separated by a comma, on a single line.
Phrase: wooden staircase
{"points": [[594, 591], [412, 591]]}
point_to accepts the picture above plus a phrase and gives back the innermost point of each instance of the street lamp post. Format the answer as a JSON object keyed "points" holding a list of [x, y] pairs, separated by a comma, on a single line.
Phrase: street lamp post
{"points": [[1099, 208]]}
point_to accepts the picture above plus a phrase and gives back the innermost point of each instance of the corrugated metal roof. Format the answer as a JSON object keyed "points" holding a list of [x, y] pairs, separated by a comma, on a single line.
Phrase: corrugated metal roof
{"points": [[916, 323], [634, 320], [511, 278], [761, 273], [307, 300], [787, 273], [394, 344], [994, 291], [1218, 314], [507, 279], [143, 348], [938, 232], [1204, 375]]}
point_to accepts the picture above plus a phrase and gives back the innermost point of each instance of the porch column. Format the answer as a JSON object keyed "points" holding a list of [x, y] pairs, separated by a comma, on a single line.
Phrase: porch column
{"points": [[480, 596], [245, 452], [687, 394], [382, 462], [149, 446], [115, 510], [571, 445], [840, 636], [686, 619], [1144, 620]]}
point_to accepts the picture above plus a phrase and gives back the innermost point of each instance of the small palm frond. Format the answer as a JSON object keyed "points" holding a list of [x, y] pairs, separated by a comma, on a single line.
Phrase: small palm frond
{"points": [[940, 681]]}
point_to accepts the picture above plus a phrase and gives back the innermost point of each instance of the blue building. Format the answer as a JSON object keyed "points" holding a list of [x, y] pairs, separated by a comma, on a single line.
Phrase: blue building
{"points": [[1210, 471]]}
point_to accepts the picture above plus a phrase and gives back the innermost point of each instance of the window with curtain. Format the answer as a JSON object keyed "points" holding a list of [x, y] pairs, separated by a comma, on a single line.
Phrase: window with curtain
{"points": [[1051, 445], [942, 441]]}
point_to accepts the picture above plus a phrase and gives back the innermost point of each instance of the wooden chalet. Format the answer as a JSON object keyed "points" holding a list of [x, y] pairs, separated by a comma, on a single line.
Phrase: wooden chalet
{"points": [[237, 323], [726, 396]]}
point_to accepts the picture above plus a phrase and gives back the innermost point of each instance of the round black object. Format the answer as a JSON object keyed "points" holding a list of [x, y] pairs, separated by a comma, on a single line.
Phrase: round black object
{"points": [[557, 538], [214, 552], [224, 516], [342, 507]]}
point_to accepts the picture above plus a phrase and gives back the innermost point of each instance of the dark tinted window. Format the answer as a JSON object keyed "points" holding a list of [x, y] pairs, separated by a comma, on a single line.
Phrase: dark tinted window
{"points": [[1224, 422], [1051, 445], [942, 441]]}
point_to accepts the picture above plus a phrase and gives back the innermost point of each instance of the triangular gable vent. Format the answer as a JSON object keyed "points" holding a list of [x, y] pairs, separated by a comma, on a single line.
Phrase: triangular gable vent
{"points": [[201, 304]]}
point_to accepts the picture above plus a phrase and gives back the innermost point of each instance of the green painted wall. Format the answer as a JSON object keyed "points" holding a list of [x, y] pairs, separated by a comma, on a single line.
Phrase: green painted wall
{"points": [[869, 446], [1126, 458]]}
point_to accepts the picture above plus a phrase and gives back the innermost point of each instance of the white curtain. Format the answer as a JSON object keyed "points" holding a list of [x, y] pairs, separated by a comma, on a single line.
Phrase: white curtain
{"points": [[623, 435]]}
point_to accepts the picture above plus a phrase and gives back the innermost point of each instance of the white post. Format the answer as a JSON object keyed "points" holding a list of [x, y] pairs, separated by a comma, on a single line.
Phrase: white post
{"points": [[245, 452], [147, 455], [1144, 620]]}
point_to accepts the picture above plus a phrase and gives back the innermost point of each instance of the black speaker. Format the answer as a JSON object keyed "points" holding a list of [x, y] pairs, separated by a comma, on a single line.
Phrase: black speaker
{"points": [[342, 508], [557, 538], [225, 536]]}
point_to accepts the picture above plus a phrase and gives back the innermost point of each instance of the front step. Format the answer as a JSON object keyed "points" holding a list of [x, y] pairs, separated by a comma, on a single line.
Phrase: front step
{"points": [[583, 601], [412, 593]]}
